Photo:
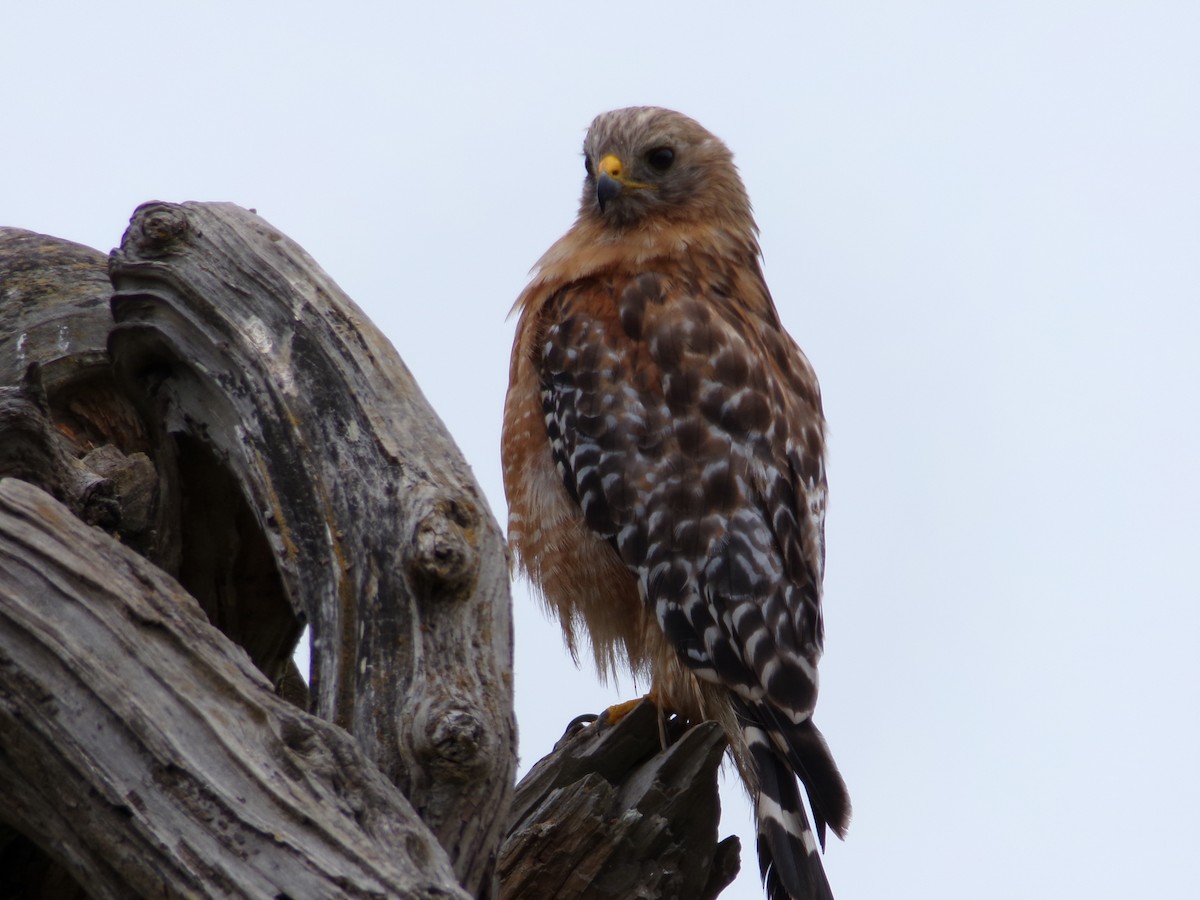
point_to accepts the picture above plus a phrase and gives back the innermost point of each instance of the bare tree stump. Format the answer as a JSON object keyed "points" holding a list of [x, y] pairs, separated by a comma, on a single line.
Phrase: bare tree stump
{"points": [[145, 750], [238, 454], [305, 454], [257, 438]]}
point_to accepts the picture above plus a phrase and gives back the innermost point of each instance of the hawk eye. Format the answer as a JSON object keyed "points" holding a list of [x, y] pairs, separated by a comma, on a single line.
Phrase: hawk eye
{"points": [[587, 166], [660, 158]]}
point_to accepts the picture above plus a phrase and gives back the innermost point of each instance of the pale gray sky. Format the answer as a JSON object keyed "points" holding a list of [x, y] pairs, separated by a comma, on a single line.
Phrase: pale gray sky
{"points": [[982, 223]]}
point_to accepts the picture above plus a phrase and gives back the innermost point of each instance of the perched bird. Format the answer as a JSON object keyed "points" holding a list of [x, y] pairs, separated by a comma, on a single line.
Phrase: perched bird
{"points": [[663, 452]]}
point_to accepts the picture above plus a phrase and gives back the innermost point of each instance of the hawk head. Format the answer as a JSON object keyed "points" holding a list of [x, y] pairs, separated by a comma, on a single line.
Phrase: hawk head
{"points": [[646, 164]]}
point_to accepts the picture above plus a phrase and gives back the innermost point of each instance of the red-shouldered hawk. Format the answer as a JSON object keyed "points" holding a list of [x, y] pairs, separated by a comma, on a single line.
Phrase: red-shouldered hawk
{"points": [[663, 456]]}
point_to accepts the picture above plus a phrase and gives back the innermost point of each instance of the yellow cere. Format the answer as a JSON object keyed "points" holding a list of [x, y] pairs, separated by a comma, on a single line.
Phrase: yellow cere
{"points": [[611, 166]]}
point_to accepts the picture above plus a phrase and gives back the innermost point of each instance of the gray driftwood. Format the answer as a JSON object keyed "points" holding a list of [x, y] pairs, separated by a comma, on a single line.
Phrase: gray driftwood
{"points": [[214, 785], [230, 453], [304, 452]]}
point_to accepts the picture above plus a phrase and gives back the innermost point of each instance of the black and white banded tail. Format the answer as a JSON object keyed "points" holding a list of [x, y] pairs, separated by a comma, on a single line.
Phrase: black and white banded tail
{"points": [[789, 851]]}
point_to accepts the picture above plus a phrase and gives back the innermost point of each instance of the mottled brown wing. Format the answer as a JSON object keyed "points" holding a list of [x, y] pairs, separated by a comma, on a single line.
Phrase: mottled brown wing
{"points": [[691, 439]]}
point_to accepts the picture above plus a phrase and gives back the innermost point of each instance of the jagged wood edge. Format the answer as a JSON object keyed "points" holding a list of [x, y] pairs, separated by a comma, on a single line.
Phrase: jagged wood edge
{"points": [[612, 813]]}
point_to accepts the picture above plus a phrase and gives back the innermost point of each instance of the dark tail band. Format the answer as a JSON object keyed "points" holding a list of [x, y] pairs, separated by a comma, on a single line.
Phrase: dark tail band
{"points": [[788, 854]]}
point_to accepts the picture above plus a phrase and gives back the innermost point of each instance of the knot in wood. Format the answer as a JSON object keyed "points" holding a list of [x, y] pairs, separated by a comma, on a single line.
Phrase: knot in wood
{"points": [[158, 228], [297, 735], [444, 554], [452, 739]]}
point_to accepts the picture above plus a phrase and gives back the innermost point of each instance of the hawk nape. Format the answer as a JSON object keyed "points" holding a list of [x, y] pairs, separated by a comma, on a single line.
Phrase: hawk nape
{"points": [[663, 458]]}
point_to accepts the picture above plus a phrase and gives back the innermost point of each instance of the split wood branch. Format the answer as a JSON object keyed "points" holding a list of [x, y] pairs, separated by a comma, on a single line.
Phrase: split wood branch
{"points": [[147, 754]]}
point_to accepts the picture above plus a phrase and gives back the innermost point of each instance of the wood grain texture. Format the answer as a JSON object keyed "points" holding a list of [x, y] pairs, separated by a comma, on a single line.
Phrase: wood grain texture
{"points": [[611, 814], [297, 438], [147, 754], [53, 307], [58, 403], [257, 457]]}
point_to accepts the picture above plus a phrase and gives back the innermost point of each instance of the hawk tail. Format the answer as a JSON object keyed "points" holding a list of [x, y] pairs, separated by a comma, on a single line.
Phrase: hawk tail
{"points": [[809, 757], [788, 850]]}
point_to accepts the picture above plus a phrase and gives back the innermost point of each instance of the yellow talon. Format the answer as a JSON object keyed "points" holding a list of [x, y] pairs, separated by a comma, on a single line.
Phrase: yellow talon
{"points": [[618, 711]]}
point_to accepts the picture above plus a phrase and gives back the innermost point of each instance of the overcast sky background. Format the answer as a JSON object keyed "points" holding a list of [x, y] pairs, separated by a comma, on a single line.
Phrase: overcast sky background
{"points": [[980, 220]]}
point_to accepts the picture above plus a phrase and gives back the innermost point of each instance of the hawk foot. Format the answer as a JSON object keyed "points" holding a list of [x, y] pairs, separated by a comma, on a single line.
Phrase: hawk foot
{"points": [[618, 711]]}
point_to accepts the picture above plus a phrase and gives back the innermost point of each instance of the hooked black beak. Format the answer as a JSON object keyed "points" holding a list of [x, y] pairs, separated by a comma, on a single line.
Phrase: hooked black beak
{"points": [[607, 188]]}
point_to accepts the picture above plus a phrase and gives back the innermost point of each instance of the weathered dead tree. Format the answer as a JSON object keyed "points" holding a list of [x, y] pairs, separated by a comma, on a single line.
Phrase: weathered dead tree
{"points": [[207, 446], [196, 774]]}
